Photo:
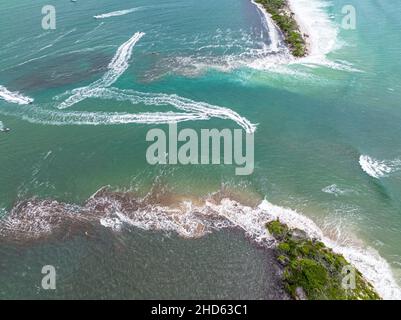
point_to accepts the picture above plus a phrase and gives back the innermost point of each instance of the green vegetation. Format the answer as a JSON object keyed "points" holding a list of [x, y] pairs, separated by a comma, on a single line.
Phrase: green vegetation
{"points": [[284, 18], [313, 271]]}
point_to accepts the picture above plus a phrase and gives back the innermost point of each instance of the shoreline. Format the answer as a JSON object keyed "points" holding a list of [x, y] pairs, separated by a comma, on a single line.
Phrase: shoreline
{"points": [[303, 29], [37, 220], [294, 32]]}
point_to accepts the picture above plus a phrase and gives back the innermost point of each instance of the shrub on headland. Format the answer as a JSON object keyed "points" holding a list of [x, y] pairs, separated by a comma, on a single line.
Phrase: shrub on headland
{"points": [[284, 19], [313, 271]]}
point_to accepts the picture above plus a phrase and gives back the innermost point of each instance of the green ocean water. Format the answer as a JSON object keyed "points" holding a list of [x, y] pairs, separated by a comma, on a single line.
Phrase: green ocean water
{"points": [[314, 120]]}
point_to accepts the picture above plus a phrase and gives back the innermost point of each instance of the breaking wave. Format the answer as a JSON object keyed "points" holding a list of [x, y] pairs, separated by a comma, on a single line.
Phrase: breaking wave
{"points": [[259, 53], [322, 37], [14, 97], [160, 210], [323, 34], [378, 168], [274, 35], [313, 19]]}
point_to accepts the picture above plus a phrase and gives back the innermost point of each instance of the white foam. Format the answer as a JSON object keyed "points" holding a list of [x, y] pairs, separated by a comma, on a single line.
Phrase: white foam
{"points": [[119, 64], [270, 26], [14, 97], [113, 223], [336, 190], [192, 111], [38, 218], [374, 268], [378, 168], [313, 20], [190, 220], [58, 118], [117, 13], [202, 109]]}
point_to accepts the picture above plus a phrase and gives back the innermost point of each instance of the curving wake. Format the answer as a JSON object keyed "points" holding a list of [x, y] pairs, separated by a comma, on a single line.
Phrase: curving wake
{"points": [[14, 97]]}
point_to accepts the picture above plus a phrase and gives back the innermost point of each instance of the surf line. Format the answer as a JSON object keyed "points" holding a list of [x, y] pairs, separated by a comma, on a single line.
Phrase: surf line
{"points": [[118, 65]]}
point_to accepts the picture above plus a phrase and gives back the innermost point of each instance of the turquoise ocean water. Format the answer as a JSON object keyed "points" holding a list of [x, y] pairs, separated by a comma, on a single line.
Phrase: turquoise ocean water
{"points": [[326, 144]]}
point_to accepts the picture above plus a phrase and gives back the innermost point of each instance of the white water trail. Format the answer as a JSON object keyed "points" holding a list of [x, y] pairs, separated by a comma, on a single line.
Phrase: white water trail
{"points": [[191, 111], [62, 118], [202, 109], [14, 97], [118, 65], [117, 13]]}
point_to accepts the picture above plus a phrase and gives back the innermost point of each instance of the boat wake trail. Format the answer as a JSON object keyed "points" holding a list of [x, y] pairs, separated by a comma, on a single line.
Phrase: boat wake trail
{"points": [[118, 65], [192, 111], [196, 110], [188, 110], [117, 13], [274, 35], [59, 118], [13, 97], [101, 89]]}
